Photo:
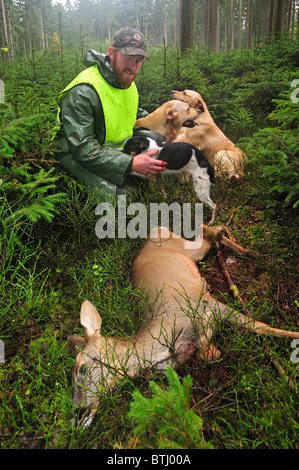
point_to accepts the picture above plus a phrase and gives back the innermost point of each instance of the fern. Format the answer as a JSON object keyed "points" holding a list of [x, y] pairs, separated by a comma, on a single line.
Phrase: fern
{"points": [[29, 194], [12, 131], [32, 200], [22, 134], [166, 421], [286, 114], [42, 207]]}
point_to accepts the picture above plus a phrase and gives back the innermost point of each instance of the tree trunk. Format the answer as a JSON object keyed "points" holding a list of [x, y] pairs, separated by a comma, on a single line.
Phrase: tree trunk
{"points": [[43, 48], [275, 19], [225, 34], [186, 24], [240, 25], [282, 15], [217, 48], [10, 39], [278, 18], [293, 17], [232, 25], [205, 23], [165, 28], [212, 23], [249, 25], [271, 6], [5, 28], [265, 21], [289, 15]]}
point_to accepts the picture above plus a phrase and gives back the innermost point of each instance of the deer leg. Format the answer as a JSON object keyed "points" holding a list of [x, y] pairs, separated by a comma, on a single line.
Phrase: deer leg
{"points": [[213, 234]]}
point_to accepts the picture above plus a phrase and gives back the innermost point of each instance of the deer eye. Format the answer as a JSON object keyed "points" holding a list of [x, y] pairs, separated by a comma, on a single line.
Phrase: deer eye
{"points": [[81, 373], [83, 370]]}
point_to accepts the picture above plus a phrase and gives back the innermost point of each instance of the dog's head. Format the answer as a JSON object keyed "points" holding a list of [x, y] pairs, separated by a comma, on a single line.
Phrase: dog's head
{"points": [[136, 145], [178, 114], [169, 118], [193, 98], [142, 140]]}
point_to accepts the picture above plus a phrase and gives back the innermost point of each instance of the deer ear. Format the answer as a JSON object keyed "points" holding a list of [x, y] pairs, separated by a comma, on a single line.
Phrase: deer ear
{"points": [[90, 319]]}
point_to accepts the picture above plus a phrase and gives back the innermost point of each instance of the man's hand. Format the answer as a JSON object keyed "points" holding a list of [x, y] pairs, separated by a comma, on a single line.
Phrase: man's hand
{"points": [[148, 166]]}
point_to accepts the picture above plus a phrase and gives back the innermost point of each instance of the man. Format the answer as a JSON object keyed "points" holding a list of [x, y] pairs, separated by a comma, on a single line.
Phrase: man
{"points": [[97, 113]]}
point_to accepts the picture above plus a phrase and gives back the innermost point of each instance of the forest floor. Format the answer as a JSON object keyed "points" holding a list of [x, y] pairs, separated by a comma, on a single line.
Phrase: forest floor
{"points": [[242, 398]]}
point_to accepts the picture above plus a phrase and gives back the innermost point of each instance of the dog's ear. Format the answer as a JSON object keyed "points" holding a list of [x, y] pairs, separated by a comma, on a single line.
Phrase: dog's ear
{"points": [[200, 106], [171, 115]]}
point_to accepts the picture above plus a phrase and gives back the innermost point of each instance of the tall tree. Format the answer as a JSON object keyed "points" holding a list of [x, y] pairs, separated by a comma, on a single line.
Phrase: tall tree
{"points": [[271, 6], [289, 15], [293, 16], [205, 22], [278, 18], [10, 37], [249, 25], [186, 24], [5, 26], [217, 40], [212, 23], [240, 24], [232, 25]]}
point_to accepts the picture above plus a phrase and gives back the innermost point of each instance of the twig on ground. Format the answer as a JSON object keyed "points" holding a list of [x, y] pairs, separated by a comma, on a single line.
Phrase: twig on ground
{"points": [[232, 286], [236, 210]]}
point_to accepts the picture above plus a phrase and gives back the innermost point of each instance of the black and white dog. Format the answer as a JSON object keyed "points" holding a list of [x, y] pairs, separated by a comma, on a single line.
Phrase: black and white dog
{"points": [[181, 158]]}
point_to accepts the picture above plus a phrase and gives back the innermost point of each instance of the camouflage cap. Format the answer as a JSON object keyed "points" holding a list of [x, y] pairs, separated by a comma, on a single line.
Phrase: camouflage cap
{"points": [[130, 42]]}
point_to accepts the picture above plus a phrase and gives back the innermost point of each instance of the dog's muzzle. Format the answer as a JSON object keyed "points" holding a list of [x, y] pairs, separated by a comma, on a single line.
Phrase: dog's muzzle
{"points": [[190, 124]]}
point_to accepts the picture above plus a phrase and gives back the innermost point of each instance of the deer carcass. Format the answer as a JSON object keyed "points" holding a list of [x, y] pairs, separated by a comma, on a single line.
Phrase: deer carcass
{"points": [[179, 322]]}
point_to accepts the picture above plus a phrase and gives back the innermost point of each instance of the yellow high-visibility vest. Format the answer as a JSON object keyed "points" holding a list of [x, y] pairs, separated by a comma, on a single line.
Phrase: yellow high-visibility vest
{"points": [[119, 105]]}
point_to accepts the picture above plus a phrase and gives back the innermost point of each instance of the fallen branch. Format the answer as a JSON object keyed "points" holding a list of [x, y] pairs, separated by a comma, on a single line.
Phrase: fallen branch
{"points": [[230, 243], [232, 286], [282, 371], [236, 210]]}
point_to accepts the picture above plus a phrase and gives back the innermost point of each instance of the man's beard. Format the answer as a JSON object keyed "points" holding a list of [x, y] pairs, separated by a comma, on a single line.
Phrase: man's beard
{"points": [[123, 77]]}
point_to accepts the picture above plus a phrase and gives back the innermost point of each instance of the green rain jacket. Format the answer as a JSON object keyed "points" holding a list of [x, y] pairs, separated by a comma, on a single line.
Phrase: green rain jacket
{"points": [[82, 135]]}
